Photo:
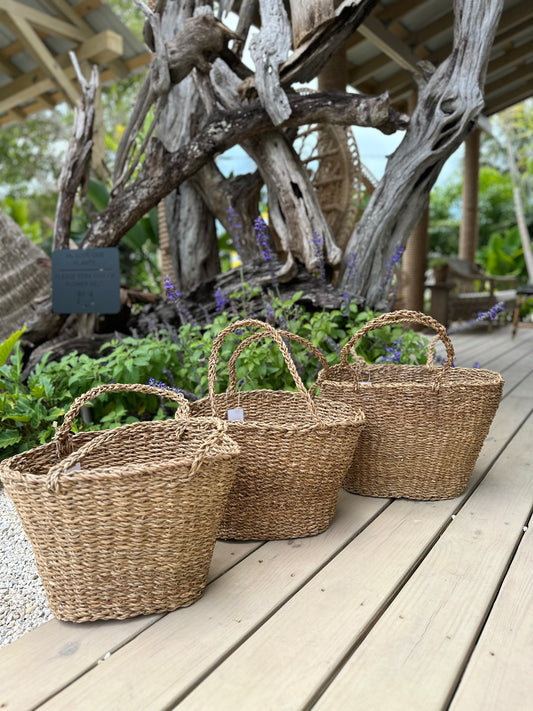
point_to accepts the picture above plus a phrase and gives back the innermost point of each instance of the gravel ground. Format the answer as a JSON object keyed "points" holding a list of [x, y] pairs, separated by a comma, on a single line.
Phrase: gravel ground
{"points": [[23, 604]]}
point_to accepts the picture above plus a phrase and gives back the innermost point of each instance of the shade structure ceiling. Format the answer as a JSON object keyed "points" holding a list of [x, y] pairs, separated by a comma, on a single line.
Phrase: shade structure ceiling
{"points": [[36, 36], [398, 34]]}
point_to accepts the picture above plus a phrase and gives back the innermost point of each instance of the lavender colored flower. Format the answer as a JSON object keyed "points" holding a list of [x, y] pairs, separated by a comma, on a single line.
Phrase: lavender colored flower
{"points": [[318, 247], [170, 289], [262, 239], [346, 302], [351, 265], [221, 300], [491, 314], [389, 268], [235, 227], [173, 294], [270, 314], [158, 384], [393, 354], [263, 242], [477, 364]]}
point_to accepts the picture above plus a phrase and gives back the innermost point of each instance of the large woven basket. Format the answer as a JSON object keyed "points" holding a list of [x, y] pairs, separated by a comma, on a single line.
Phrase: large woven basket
{"points": [[126, 524], [294, 453], [425, 425]]}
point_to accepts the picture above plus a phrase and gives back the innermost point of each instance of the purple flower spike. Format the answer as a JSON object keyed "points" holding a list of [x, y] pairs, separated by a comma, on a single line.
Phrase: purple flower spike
{"points": [[263, 242], [221, 300], [491, 314], [235, 227]]}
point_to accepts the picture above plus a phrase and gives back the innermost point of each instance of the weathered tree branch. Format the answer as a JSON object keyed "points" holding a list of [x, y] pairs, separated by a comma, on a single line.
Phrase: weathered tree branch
{"points": [[200, 41], [312, 56], [447, 109], [163, 171], [75, 171]]}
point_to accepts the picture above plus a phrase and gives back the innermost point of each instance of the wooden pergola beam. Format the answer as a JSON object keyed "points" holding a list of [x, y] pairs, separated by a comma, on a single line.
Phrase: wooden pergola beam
{"points": [[44, 57], [388, 43], [49, 23], [54, 98], [39, 82], [509, 99], [9, 68], [72, 15]]}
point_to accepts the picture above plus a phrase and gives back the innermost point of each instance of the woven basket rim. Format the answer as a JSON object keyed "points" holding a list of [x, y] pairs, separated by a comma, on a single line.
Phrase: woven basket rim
{"points": [[110, 471], [186, 460], [488, 377], [357, 418]]}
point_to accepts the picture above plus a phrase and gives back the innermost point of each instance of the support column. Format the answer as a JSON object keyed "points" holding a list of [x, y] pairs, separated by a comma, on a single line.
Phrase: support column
{"points": [[414, 259], [335, 73], [414, 262], [468, 234]]}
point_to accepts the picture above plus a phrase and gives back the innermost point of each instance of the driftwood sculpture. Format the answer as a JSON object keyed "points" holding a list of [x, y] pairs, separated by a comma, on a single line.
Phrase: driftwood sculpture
{"points": [[221, 103]]}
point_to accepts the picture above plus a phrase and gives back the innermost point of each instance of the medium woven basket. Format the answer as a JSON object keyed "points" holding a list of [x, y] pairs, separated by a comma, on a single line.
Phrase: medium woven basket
{"points": [[126, 524], [294, 453], [425, 425]]}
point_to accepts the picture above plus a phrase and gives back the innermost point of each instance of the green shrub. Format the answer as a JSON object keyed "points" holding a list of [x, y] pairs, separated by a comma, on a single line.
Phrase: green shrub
{"points": [[179, 359]]}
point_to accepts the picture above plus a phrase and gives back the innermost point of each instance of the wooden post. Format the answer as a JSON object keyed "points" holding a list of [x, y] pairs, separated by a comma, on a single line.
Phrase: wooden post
{"points": [[414, 259], [307, 16], [335, 73], [468, 233]]}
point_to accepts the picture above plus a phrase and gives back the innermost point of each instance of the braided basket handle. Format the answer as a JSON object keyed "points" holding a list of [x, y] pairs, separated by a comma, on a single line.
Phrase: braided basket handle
{"points": [[430, 363], [219, 434], [63, 436], [404, 316], [232, 387], [275, 335]]}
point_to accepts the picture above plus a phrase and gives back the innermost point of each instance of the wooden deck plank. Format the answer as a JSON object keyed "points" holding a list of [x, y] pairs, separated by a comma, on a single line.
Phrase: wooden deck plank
{"points": [[484, 352], [56, 653], [302, 644], [517, 375], [414, 655], [260, 625], [499, 674], [160, 664]]}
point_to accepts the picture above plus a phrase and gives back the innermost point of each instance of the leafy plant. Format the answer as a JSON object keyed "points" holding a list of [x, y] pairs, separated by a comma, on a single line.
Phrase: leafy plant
{"points": [[179, 358], [504, 254]]}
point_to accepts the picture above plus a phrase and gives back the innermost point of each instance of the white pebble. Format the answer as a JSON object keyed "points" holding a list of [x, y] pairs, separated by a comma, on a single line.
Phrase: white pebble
{"points": [[23, 603]]}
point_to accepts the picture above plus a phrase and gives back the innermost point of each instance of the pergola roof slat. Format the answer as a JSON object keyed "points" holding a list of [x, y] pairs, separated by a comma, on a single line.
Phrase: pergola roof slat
{"points": [[35, 37]]}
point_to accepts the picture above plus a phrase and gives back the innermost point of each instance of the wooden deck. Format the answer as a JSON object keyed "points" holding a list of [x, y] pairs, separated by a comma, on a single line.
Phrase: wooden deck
{"points": [[399, 605]]}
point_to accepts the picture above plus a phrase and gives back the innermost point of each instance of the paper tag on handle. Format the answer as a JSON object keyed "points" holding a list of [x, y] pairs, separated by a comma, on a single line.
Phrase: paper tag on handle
{"points": [[236, 414], [76, 467]]}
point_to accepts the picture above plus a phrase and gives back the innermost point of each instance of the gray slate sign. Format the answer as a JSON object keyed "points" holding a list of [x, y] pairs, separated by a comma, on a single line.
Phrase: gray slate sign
{"points": [[86, 281]]}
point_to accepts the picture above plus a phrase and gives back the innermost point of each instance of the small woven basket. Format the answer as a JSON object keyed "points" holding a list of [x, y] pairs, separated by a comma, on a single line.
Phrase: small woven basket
{"points": [[425, 425], [294, 453], [126, 524]]}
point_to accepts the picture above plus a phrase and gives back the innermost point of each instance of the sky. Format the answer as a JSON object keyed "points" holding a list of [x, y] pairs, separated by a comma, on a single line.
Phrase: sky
{"points": [[373, 147]]}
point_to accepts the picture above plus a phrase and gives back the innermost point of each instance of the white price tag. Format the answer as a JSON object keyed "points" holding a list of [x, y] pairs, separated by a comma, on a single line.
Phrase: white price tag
{"points": [[236, 414]]}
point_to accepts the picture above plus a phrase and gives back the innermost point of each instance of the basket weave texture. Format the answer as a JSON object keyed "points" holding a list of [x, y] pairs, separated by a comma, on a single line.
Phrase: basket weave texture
{"points": [[131, 531], [294, 452], [425, 425]]}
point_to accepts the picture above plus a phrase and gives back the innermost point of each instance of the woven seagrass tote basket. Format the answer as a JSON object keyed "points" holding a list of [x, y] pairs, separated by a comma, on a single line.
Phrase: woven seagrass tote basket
{"points": [[294, 452], [425, 425], [126, 524]]}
